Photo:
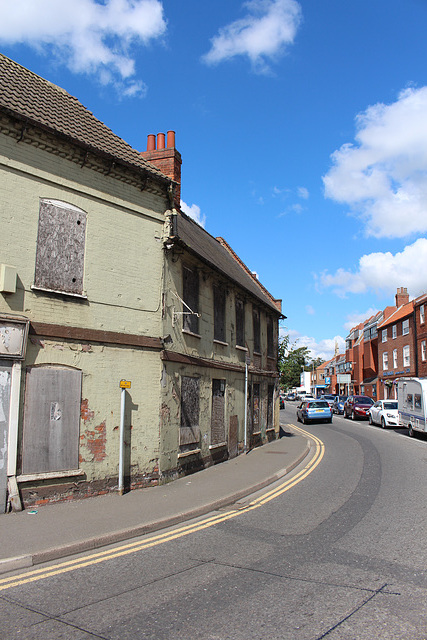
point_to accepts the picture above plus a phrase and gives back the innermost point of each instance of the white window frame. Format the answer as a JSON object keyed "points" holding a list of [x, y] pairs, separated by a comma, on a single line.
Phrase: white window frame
{"points": [[405, 327], [394, 331], [384, 335], [422, 314], [423, 351], [394, 358], [406, 356], [385, 361]]}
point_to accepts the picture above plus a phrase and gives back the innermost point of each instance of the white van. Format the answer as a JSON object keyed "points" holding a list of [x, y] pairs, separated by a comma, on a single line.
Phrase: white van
{"points": [[412, 404]]}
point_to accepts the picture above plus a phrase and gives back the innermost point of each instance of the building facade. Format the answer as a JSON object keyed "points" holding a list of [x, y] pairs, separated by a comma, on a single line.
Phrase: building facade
{"points": [[103, 280]]}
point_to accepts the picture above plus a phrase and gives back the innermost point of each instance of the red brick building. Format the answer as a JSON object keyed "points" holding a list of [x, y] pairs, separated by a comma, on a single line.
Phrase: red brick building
{"points": [[420, 308], [397, 349]]}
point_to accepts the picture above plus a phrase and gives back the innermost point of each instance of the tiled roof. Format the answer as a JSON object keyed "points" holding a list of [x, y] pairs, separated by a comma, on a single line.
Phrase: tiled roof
{"points": [[211, 251], [403, 311], [30, 97]]}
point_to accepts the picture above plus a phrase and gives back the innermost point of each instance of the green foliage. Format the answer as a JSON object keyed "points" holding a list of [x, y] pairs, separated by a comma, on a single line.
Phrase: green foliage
{"points": [[292, 361]]}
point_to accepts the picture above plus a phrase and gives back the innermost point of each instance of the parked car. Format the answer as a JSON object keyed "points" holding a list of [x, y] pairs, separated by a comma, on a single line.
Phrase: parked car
{"points": [[291, 397], [385, 413], [338, 405], [329, 398], [357, 407], [314, 410], [308, 396]]}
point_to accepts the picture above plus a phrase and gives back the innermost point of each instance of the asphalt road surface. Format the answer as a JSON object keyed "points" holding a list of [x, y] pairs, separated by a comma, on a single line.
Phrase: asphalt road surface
{"points": [[341, 555]]}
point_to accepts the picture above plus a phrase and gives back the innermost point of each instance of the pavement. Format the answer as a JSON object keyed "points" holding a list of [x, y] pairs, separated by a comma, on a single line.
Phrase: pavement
{"points": [[62, 529]]}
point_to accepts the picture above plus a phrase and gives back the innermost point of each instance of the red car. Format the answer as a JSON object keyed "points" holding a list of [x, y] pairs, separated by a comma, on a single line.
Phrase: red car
{"points": [[357, 407]]}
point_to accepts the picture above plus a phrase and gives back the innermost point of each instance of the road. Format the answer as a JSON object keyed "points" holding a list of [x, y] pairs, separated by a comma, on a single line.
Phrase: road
{"points": [[340, 554]]}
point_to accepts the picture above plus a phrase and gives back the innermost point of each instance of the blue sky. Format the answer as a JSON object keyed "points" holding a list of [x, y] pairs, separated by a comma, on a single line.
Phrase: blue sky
{"points": [[302, 128]]}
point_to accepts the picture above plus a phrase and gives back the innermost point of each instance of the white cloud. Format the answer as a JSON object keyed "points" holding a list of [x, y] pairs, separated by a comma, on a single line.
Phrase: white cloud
{"points": [[324, 349], [383, 272], [87, 36], [353, 319], [383, 177], [303, 193], [262, 34], [309, 310], [194, 212]]}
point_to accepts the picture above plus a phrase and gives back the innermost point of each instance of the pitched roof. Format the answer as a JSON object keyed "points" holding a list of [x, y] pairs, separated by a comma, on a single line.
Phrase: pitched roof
{"points": [[36, 100], [403, 311], [214, 253]]}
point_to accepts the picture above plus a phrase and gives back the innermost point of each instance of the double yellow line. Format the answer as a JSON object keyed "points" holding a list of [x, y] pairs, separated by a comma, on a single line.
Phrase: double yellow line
{"points": [[153, 541]]}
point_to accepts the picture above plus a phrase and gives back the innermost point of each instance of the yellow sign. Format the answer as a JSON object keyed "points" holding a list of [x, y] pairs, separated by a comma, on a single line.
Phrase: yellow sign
{"points": [[125, 384]]}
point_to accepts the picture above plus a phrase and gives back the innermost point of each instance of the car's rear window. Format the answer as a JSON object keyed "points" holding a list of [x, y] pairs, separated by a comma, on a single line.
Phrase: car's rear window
{"points": [[320, 404], [390, 405]]}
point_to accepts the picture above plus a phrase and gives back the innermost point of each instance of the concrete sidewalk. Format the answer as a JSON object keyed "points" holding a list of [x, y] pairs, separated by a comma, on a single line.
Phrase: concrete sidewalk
{"points": [[62, 529]]}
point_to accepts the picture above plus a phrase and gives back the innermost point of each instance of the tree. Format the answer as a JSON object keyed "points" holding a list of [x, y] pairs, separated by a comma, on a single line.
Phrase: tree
{"points": [[293, 361]]}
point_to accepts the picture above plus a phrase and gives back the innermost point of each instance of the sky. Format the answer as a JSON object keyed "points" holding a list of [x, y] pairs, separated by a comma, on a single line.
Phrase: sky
{"points": [[302, 127]]}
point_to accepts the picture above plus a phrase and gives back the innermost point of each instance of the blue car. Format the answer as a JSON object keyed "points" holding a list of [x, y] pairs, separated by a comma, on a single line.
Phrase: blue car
{"points": [[314, 411], [338, 406]]}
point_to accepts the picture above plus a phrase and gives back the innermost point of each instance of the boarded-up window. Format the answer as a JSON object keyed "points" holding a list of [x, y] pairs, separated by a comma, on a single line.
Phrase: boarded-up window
{"points": [[270, 338], [270, 413], [190, 295], [189, 433], [240, 322], [256, 408], [219, 313], [257, 330], [60, 247], [51, 419], [218, 412]]}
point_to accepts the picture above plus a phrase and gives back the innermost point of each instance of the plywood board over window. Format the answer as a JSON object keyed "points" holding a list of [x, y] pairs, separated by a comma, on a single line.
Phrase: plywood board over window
{"points": [[218, 412], [219, 313], [240, 322], [60, 247], [190, 295], [51, 419], [189, 433]]}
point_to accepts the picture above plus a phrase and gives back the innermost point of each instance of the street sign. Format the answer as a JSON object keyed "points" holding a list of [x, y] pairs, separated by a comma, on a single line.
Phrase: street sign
{"points": [[125, 384]]}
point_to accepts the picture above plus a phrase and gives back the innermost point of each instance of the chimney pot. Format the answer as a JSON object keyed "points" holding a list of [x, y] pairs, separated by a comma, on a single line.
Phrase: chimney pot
{"points": [[151, 142], [160, 141], [171, 140]]}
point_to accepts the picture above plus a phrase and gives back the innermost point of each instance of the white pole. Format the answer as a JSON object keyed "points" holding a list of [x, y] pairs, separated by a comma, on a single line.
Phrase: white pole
{"points": [[122, 442], [246, 407]]}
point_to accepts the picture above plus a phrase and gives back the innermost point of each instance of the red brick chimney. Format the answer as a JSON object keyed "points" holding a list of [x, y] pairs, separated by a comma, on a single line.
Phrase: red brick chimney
{"points": [[402, 296], [166, 158]]}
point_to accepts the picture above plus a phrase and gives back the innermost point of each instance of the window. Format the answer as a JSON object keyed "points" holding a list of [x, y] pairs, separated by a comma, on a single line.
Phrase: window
{"points": [[256, 408], [394, 331], [240, 322], [270, 337], [406, 356], [60, 247], [51, 419], [218, 412], [384, 335], [423, 350], [394, 358], [422, 314], [189, 432], [405, 327], [270, 413], [190, 295], [256, 328], [385, 361], [219, 313], [417, 401]]}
